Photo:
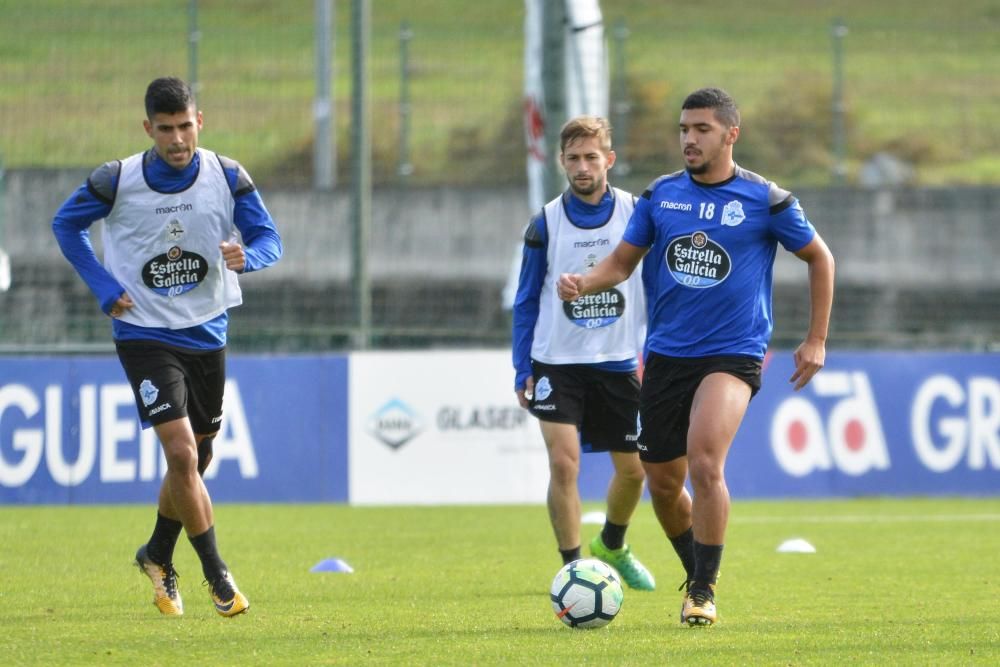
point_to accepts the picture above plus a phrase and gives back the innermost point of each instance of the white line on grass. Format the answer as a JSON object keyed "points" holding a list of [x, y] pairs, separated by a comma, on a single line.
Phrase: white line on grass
{"points": [[867, 518]]}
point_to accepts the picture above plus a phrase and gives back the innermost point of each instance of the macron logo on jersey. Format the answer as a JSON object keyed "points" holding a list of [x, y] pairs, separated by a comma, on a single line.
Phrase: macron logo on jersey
{"points": [[163, 210], [591, 244], [676, 206]]}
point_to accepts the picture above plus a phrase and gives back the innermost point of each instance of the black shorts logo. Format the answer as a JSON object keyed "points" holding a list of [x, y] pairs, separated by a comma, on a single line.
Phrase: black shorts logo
{"points": [[175, 272]]}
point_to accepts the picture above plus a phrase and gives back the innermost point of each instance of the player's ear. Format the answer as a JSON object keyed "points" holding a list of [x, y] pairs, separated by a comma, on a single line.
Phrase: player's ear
{"points": [[611, 159], [146, 125], [734, 134]]}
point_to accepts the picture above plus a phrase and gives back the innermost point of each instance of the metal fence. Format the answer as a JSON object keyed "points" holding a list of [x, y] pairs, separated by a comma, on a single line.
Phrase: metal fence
{"points": [[858, 97]]}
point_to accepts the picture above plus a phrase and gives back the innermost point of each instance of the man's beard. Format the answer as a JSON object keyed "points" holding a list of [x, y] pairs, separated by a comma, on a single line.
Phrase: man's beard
{"points": [[588, 190], [705, 165], [700, 169]]}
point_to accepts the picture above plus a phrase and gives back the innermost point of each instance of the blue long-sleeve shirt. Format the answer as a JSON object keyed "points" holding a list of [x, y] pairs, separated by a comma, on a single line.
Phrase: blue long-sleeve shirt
{"points": [[94, 200], [534, 266]]}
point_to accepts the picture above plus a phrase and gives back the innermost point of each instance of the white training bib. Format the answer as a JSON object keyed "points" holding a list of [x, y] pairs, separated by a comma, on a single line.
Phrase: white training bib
{"points": [[164, 248], [606, 326]]}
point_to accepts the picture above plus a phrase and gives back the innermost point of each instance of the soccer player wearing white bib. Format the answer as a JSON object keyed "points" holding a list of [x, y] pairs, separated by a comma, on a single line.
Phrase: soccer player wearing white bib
{"points": [[180, 223], [707, 237], [575, 364]]}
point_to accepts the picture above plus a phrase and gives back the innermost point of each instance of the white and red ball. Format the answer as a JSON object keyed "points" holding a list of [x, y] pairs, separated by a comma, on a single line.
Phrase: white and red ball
{"points": [[586, 593]]}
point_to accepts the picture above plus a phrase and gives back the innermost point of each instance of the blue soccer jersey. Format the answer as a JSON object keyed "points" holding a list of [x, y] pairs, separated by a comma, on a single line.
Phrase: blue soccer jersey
{"points": [[708, 271]]}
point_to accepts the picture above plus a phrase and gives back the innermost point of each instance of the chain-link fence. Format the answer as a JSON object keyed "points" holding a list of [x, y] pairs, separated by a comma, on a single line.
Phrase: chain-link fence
{"points": [[879, 115]]}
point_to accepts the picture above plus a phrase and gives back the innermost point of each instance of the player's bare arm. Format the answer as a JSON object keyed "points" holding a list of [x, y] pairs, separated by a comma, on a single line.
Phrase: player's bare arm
{"points": [[613, 269], [811, 354]]}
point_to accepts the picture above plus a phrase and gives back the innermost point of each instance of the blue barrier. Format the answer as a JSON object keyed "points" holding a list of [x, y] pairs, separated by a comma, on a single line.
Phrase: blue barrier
{"points": [[869, 424], [69, 433], [878, 423]]}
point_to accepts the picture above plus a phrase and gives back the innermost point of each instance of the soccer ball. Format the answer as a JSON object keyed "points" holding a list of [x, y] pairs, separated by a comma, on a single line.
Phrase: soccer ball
{"points": [[586, 593]]}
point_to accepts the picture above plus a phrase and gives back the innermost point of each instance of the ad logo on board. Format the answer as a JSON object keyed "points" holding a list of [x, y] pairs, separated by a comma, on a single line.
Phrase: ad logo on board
{"points": [[851, 439], [951, 425], [108, 446], [395, 424]]}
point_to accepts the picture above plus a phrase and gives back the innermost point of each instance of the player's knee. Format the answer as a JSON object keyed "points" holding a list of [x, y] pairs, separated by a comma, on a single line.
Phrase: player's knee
{"points": [[705, 471], [635, 477], [204, 454], [665, 485], [181, 457], [564, 469], [630, 470]]}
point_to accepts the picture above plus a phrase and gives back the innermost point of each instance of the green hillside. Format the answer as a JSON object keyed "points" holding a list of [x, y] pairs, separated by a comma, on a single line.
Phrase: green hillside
{"points": [[920, 82]]}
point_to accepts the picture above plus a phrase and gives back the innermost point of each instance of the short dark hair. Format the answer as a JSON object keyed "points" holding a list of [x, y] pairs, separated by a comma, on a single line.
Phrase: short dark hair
{"points": [[168, 95], [718, 100]]}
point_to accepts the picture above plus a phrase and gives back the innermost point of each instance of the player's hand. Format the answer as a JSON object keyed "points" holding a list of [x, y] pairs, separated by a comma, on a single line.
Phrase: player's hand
{"points": [[570, 286], [232, 253], [123, 304], [809, 359], [525, 395]]}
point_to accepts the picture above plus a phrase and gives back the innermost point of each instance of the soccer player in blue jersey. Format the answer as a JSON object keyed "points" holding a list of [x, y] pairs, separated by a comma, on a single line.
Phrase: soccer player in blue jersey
{"points": [[711, 233], [180, 222], [575, 364]]}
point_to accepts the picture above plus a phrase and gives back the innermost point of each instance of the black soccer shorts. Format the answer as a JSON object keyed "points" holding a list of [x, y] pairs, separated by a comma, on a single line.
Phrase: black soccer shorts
{"points": [[602, 404], [171, 383], [668, 388]]}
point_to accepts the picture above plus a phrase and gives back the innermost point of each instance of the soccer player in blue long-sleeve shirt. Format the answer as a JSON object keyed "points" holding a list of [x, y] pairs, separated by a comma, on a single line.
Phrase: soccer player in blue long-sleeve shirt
{"points": [[575, 366], [180, 222]]}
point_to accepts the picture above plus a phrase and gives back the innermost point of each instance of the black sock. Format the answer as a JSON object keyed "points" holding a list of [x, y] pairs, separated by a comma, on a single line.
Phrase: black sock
{"points": [[570, 555], [707, 560], [160, 548], [613, 535], [684, 546], [211, 564]]}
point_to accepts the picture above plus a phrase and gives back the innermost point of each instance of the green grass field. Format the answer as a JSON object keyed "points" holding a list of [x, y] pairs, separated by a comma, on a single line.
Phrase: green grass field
{"points": [[907, 582], [919, 80]]}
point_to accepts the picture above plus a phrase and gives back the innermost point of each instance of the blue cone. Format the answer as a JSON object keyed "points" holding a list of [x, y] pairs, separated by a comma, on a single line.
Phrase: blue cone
{"points": [[332, 565]]}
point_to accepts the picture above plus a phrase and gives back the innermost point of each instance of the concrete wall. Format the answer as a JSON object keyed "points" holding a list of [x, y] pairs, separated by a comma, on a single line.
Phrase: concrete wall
{"points": [[427, 233], [905, 237], [915, 268]]}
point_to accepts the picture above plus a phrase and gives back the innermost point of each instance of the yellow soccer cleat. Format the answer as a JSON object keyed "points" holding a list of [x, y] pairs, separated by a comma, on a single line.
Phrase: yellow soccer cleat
{"points": [[227, 598], [698, 608], [166, 597]]}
